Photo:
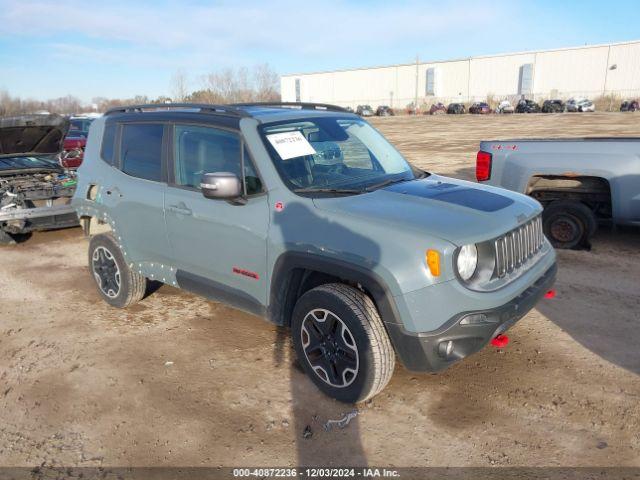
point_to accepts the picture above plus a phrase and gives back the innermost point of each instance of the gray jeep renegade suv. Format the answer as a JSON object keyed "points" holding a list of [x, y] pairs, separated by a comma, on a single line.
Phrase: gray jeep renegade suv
{"points": [[305, 214]]}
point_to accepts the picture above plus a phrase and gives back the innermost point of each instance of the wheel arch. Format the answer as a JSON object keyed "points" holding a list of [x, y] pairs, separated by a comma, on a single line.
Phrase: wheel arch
{"points": [[294, 273], [94, 225], [592, 190]]}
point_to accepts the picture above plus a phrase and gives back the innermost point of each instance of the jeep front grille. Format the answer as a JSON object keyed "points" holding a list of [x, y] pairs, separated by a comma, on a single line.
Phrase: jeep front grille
{"points": [[517, 247]]}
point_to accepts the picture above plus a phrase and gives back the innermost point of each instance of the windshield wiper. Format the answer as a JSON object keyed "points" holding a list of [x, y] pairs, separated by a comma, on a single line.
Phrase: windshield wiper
{"points": [[328, 190], [384, 183]]}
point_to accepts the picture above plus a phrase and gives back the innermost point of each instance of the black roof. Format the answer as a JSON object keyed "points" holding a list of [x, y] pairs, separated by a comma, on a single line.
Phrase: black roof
{"points": [[238, 110]]}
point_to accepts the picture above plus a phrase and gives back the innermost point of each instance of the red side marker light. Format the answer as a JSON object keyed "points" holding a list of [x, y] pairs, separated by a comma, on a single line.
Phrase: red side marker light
{"points": [[500, 341], [550, 294], [279, 206]]}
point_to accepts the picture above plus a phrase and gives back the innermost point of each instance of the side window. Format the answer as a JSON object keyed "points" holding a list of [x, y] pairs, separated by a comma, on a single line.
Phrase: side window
{"points": [[199, 150], [141, 150], [108, 141]]}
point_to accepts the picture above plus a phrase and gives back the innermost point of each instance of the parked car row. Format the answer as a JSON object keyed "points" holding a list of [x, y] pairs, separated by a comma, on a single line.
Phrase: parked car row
{"points": [[523, 106], [381, 111], [526, 106]]}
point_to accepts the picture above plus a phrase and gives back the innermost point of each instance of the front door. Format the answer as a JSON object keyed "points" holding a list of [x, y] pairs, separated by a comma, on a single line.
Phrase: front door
{"points": [[219, 247]]}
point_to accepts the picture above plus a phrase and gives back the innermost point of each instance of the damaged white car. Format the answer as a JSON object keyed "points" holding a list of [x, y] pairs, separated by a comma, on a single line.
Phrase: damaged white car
{"points": [[35, 191]]}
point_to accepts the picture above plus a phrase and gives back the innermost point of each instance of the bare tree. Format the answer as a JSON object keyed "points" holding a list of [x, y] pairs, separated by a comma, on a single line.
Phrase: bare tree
{"points": [[266, 83], [243, 85], [179, 86], [204, 96], [258, 84]]}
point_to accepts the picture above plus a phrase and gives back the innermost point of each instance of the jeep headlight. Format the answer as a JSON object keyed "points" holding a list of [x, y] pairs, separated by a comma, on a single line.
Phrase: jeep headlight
{"points": [[467, 261]]}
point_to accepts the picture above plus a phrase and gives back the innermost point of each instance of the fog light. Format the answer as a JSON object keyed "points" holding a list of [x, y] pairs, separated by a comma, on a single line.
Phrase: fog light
{"points": [[445, 348], [477, 319]]}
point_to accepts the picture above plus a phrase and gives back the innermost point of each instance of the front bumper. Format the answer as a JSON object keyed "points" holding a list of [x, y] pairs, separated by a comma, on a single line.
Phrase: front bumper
{"points": [[420, 351], [24, 220]]}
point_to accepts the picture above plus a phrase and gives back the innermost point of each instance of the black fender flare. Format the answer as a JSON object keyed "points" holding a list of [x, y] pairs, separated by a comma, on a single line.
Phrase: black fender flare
{"points": [[280, 309]]}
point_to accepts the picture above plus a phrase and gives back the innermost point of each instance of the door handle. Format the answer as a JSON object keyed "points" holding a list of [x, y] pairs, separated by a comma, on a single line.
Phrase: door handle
{"points": [[181, 209]]}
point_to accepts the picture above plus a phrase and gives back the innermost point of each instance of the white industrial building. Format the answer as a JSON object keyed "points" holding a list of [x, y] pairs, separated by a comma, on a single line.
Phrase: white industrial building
{"points": [[587, 71]]}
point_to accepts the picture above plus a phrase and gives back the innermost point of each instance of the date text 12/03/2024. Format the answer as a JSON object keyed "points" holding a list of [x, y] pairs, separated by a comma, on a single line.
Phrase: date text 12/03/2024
{"points": [[316, 473]]}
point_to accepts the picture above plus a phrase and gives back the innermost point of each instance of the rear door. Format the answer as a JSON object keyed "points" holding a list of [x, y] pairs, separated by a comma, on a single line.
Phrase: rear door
{"points": [[219, 247], [135, 193]]}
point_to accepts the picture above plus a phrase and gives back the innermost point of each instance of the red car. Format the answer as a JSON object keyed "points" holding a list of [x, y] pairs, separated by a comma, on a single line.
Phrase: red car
{"points": [[73, 151], [75, 142]]}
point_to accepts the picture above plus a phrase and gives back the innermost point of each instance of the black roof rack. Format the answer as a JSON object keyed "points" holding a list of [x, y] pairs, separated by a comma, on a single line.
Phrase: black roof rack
{"points": [[293, 105], [202, 107]]}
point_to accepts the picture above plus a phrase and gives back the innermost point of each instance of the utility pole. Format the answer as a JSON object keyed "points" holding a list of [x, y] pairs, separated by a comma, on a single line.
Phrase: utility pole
{"points": [[606, 74], [415, 103]]}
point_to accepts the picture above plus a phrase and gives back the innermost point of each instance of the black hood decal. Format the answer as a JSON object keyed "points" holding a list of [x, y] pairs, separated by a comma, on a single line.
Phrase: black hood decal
{"points": [[474, 198]]}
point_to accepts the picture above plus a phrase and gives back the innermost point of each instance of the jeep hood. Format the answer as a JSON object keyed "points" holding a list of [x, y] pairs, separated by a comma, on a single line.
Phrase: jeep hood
{"points": [[453, 210], [32, 135]]}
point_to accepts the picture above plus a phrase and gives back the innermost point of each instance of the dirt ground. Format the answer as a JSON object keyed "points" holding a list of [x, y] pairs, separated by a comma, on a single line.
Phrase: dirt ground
{"points": [[180, 381]]}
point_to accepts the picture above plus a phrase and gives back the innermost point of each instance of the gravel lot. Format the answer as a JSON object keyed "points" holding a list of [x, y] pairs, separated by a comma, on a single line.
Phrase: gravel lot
{"points": [[180, 381]]}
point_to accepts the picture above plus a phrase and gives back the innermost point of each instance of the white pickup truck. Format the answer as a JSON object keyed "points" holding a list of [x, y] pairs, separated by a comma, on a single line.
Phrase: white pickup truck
{"points": [[580, 182]]}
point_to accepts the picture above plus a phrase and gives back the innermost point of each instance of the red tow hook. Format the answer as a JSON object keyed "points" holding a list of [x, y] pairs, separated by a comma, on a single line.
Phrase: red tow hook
{"points": [[550, 294], [500, 341]]}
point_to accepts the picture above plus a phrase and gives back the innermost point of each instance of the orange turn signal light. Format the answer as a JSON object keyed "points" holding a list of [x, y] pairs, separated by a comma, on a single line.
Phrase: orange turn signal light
{"points": [[433, 261]]}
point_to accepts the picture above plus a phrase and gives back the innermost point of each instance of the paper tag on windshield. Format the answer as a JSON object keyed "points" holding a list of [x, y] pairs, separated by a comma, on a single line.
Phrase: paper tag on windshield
{"points": [[290, 145]]}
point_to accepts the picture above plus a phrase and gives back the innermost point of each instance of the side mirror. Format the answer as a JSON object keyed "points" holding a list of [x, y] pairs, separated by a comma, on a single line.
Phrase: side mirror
{"points": [[221, 186]]}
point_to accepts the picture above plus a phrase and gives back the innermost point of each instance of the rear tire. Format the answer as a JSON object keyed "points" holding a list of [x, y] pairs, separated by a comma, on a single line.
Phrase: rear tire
{"points": [[568, 223], [117, 284], [341, 342]]}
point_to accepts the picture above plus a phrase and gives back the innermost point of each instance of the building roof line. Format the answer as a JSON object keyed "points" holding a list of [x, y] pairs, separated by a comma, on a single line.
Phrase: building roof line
{"points": [[461, 59]]}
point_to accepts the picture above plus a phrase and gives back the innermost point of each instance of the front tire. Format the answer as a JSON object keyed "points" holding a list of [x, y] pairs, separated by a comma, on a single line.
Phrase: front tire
{"points": [[117, 284], [341, 342]]}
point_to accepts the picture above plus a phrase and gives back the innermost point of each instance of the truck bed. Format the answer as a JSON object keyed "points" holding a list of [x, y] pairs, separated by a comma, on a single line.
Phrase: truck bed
{"points": [[613, 162]]}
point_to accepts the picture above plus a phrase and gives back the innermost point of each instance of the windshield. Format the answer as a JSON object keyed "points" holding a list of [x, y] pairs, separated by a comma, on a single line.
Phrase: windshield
{"points": [[79, 126], [322, 154], [12, 163]]}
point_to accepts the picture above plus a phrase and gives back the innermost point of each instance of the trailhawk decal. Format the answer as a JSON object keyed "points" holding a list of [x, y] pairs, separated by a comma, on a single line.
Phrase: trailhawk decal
{"points": [[246, 273]]}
